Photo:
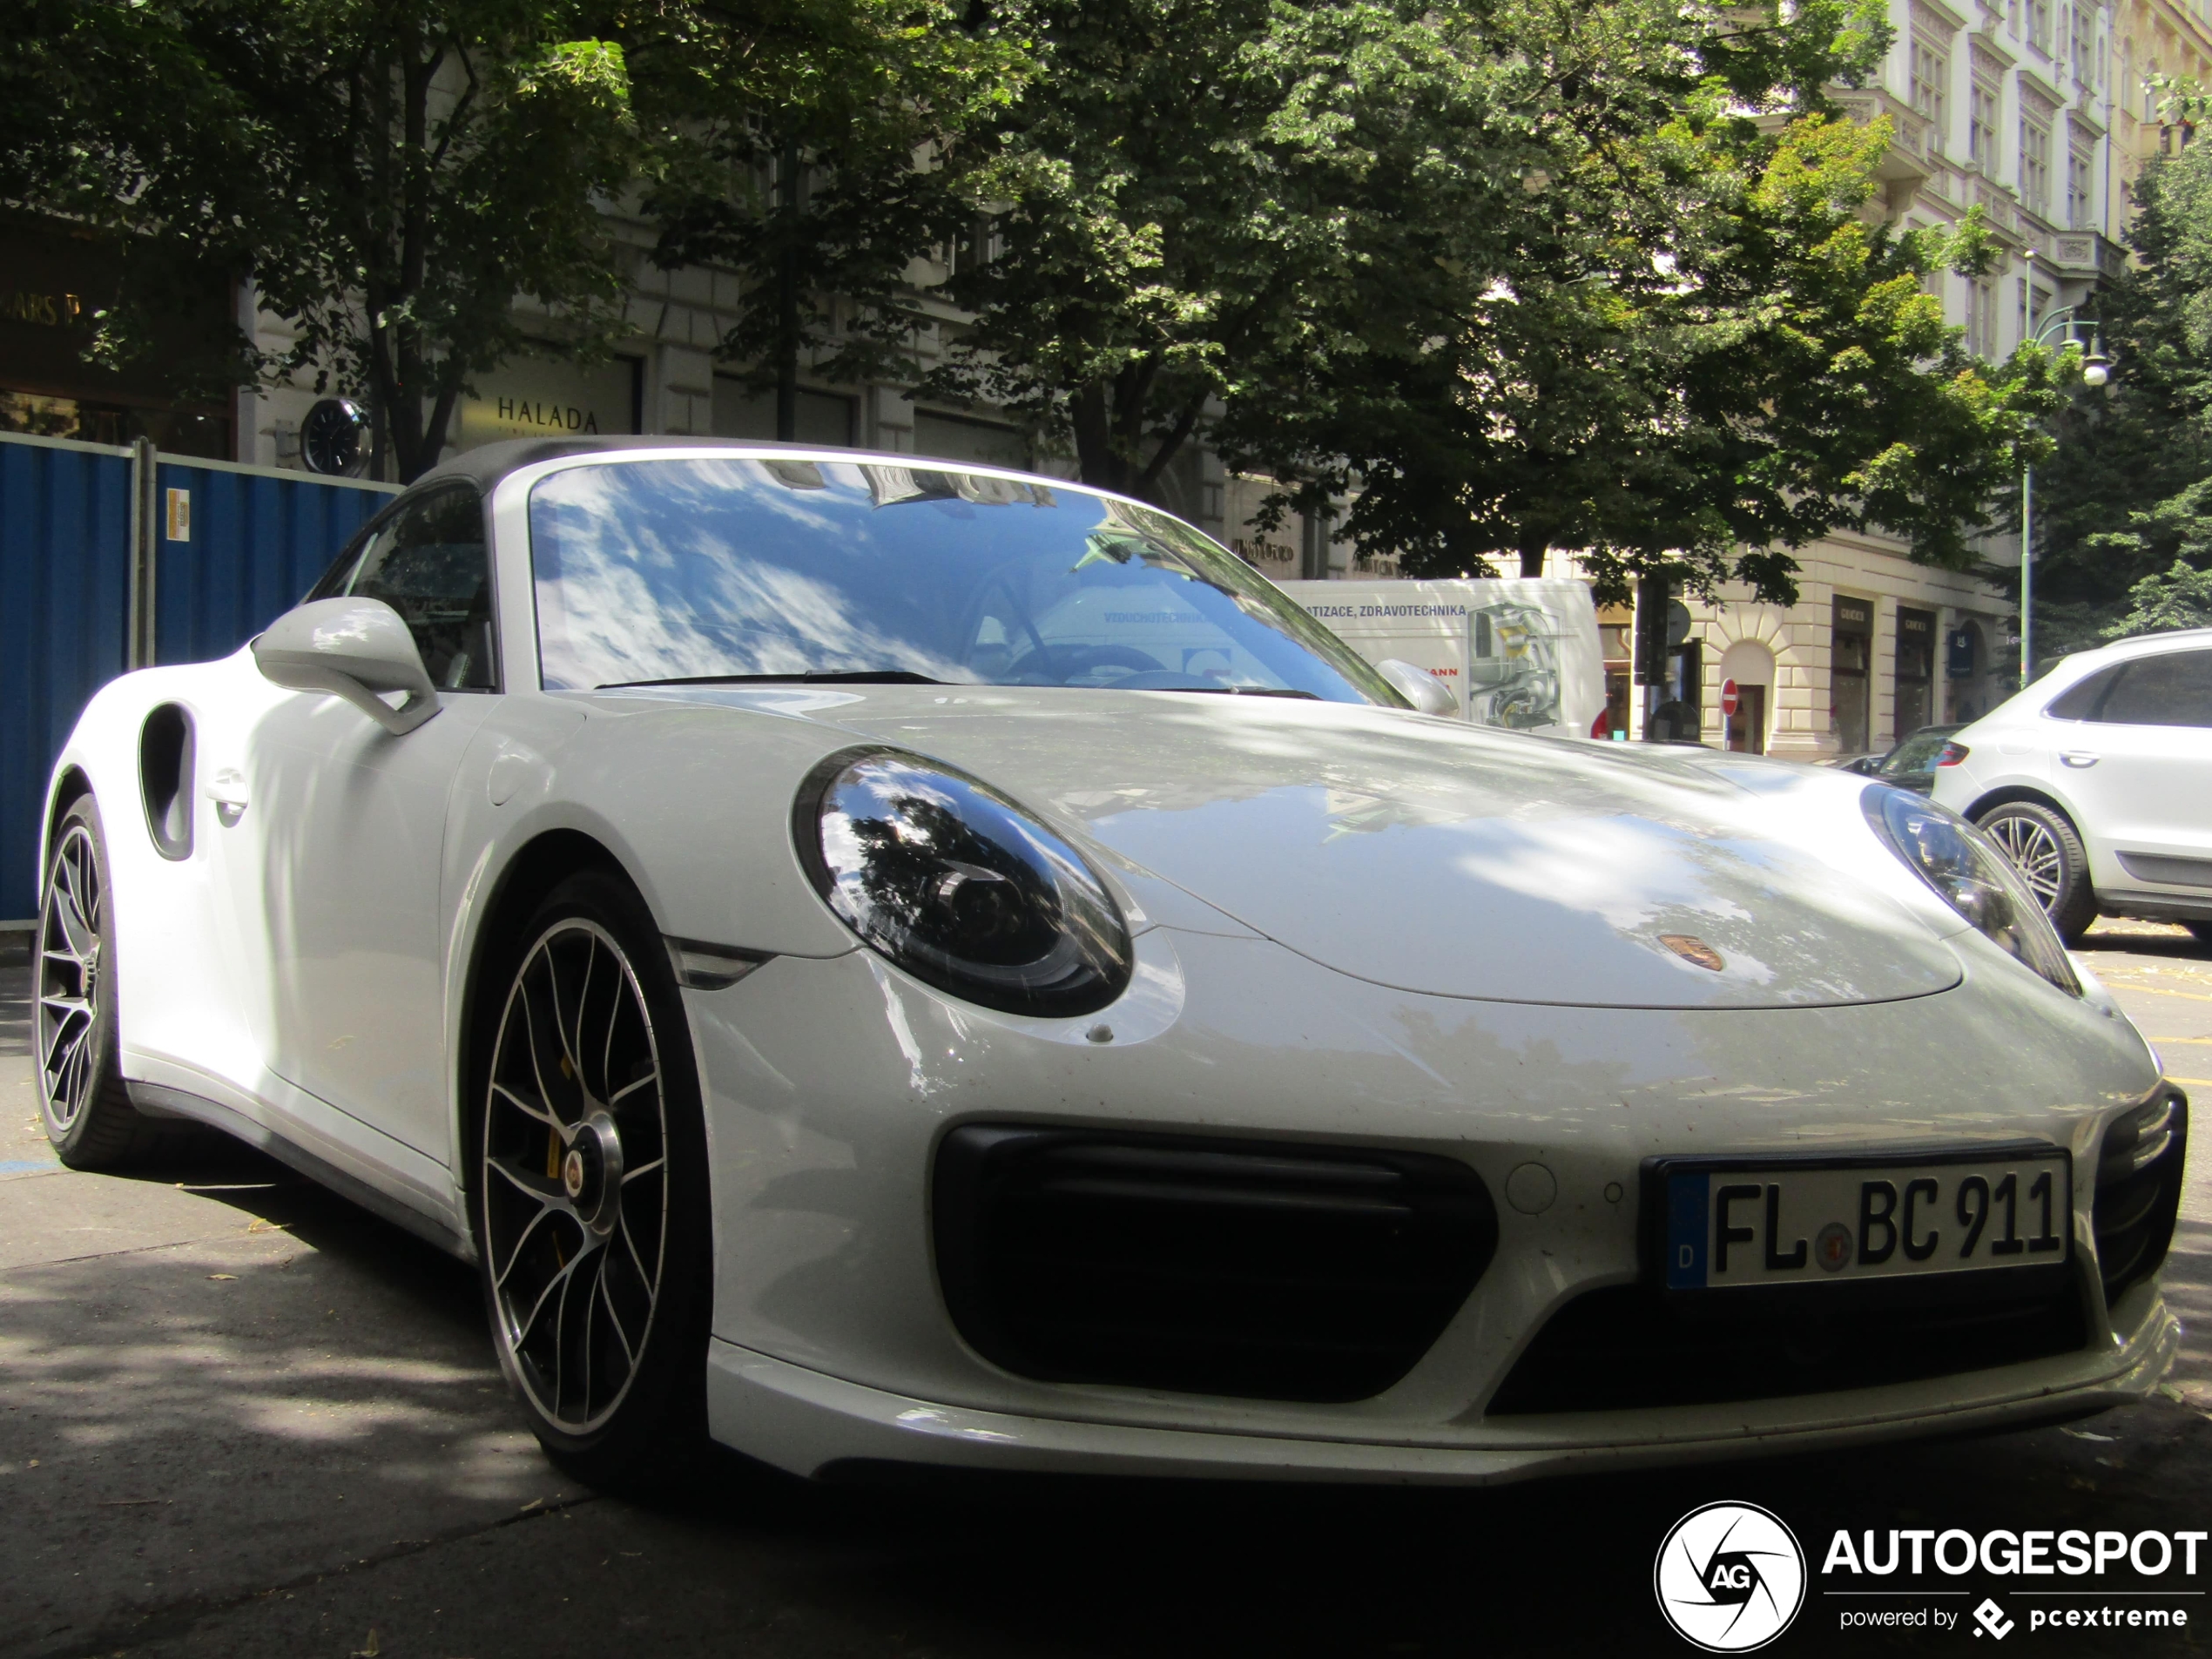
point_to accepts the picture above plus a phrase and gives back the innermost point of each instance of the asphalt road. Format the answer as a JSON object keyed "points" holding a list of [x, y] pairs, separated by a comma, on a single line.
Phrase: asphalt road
{"points": [[239, 1416]]}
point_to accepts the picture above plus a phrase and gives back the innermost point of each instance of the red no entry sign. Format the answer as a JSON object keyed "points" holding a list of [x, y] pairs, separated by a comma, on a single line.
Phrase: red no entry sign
{"points": [[1728, 697]]}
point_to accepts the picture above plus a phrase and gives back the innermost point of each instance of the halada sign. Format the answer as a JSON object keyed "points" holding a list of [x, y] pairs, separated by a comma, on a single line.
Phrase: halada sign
{"points": [[543, 397]]}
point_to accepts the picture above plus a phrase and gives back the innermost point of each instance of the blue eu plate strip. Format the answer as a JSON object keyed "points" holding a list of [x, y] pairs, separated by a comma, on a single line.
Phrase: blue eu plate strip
{"points": [[1686, 1202]]}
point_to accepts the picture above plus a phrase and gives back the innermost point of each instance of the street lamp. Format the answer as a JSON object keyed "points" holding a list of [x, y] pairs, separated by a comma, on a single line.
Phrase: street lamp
{"points": [[2094, 372]]}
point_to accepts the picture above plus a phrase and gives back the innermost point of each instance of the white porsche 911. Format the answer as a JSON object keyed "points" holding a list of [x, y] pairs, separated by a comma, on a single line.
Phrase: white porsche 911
{"points": [[877, 961]]}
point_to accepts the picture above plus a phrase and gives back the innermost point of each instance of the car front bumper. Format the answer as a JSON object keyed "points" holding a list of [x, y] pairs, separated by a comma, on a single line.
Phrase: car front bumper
{"points": [[831, 1083], [811, 1424]]}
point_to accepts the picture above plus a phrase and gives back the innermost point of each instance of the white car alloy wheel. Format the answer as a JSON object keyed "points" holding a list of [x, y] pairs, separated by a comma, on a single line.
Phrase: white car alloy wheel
{"points": [[86, 1113], [2048, 852], [71, 986], [575, 1177], [2031, 846]]}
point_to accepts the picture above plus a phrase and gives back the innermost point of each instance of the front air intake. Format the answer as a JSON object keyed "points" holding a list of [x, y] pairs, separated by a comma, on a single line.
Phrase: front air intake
{"points": [[2139, 1188], [1203, 1267], [1625, 1347]]}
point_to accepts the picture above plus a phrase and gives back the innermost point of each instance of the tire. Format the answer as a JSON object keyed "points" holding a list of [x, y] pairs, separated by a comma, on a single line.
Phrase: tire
{"points": [[81, 1102], [2048, 852], [590, 1195]]}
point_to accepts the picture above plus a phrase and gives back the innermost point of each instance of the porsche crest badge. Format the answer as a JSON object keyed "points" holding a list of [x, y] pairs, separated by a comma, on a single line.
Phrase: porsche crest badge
{"points": [[1691, 948]]}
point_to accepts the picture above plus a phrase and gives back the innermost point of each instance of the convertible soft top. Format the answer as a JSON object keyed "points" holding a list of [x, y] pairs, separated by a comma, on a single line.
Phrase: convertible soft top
{"points": [[485, 467]]}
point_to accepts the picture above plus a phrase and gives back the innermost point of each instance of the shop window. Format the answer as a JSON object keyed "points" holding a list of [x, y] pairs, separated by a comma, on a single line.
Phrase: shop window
{"points": [[1745, 729], [1749, 666], [952, 437], [1967, 670], [1850, 660], [1617, 632], [824, 418], [1679, 715], [173, 431], [1915, 672]]}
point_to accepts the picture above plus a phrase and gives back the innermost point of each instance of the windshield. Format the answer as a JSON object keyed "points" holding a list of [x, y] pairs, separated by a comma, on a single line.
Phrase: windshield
{"points": [[733, 568]]}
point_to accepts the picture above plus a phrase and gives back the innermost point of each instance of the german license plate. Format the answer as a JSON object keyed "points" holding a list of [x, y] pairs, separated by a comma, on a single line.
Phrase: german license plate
{"points": [[1785, 1224]]}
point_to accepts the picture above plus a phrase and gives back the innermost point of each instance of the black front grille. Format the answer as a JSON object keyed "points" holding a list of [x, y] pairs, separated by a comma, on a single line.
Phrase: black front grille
{"points": [[1203, 1267], [2139, 1188], [1626, 1346]]}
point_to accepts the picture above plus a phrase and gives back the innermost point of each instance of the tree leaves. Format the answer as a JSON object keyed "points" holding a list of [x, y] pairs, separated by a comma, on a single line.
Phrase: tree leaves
{"points": [[2124, 496], [1507, 276]]}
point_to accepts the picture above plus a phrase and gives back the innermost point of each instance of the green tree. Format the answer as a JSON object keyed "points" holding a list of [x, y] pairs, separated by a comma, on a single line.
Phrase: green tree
{"points": [[394, 174], [1685, 351], [2127, 492], [2180, 597], [1186, 190], [812, 151], [1510, 277], [422, 187]]}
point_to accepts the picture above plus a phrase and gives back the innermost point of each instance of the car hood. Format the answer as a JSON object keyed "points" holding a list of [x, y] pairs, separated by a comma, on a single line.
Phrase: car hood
{"points": [[1438, 857]]}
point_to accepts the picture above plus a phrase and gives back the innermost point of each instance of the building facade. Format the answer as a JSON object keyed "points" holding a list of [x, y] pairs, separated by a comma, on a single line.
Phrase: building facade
{"points": [[2038, 113], [2019, 108]]}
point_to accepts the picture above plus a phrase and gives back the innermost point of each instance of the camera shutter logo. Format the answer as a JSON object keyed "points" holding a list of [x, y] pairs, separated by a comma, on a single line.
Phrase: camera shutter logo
{"points": [[1730, 1577]]}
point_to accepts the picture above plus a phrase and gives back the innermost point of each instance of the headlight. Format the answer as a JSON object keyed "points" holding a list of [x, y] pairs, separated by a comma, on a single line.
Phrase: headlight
{"points": [[1976, 879], [959, 886]]}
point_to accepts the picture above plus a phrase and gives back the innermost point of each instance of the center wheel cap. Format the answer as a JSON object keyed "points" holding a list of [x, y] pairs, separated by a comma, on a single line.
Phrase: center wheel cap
{"points": [[591, 1173]]}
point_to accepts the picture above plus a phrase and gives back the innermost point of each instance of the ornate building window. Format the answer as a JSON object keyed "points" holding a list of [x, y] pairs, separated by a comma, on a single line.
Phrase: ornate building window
{"points": [[1930, 74], [1981, 124], [1982, 316], [2080, 200], [2036, 167], [2039, 25]]}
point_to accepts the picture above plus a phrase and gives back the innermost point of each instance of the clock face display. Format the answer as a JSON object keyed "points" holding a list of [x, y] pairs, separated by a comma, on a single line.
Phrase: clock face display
{"points": [[331, 437]]}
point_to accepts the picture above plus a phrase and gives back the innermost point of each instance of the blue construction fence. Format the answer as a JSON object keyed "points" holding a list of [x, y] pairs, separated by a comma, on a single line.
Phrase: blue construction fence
{"points": [[113, 559]]}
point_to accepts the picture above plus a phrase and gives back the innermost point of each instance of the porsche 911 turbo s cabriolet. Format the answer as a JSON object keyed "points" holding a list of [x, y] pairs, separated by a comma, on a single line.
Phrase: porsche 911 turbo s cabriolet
{"points": [[877, 961]]}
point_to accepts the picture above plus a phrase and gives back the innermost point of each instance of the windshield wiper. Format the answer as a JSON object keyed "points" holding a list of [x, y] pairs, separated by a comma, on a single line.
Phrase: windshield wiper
{"points": [[813, 676], [1234, 690]]}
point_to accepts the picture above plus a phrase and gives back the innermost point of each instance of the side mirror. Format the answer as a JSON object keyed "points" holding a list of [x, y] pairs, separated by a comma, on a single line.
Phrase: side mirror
{"points": [[1423, 690], [353, 649]]}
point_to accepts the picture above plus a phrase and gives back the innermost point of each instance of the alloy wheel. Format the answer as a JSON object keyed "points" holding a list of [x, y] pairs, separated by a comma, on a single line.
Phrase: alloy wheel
{"points": [[70, 980], [2034, 851], [574, 1176]]}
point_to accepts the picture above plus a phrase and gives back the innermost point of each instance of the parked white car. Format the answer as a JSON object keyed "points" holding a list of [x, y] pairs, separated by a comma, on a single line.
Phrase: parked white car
{"points": [[879, 961], [2097, 780]]}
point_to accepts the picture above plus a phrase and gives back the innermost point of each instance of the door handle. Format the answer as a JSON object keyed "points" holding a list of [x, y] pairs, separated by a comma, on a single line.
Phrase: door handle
{"points": [[227, 788], [2078, 759]]}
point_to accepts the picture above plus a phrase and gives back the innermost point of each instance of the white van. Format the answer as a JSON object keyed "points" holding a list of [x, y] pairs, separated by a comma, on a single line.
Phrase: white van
{"points": [[1519, 651]]}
